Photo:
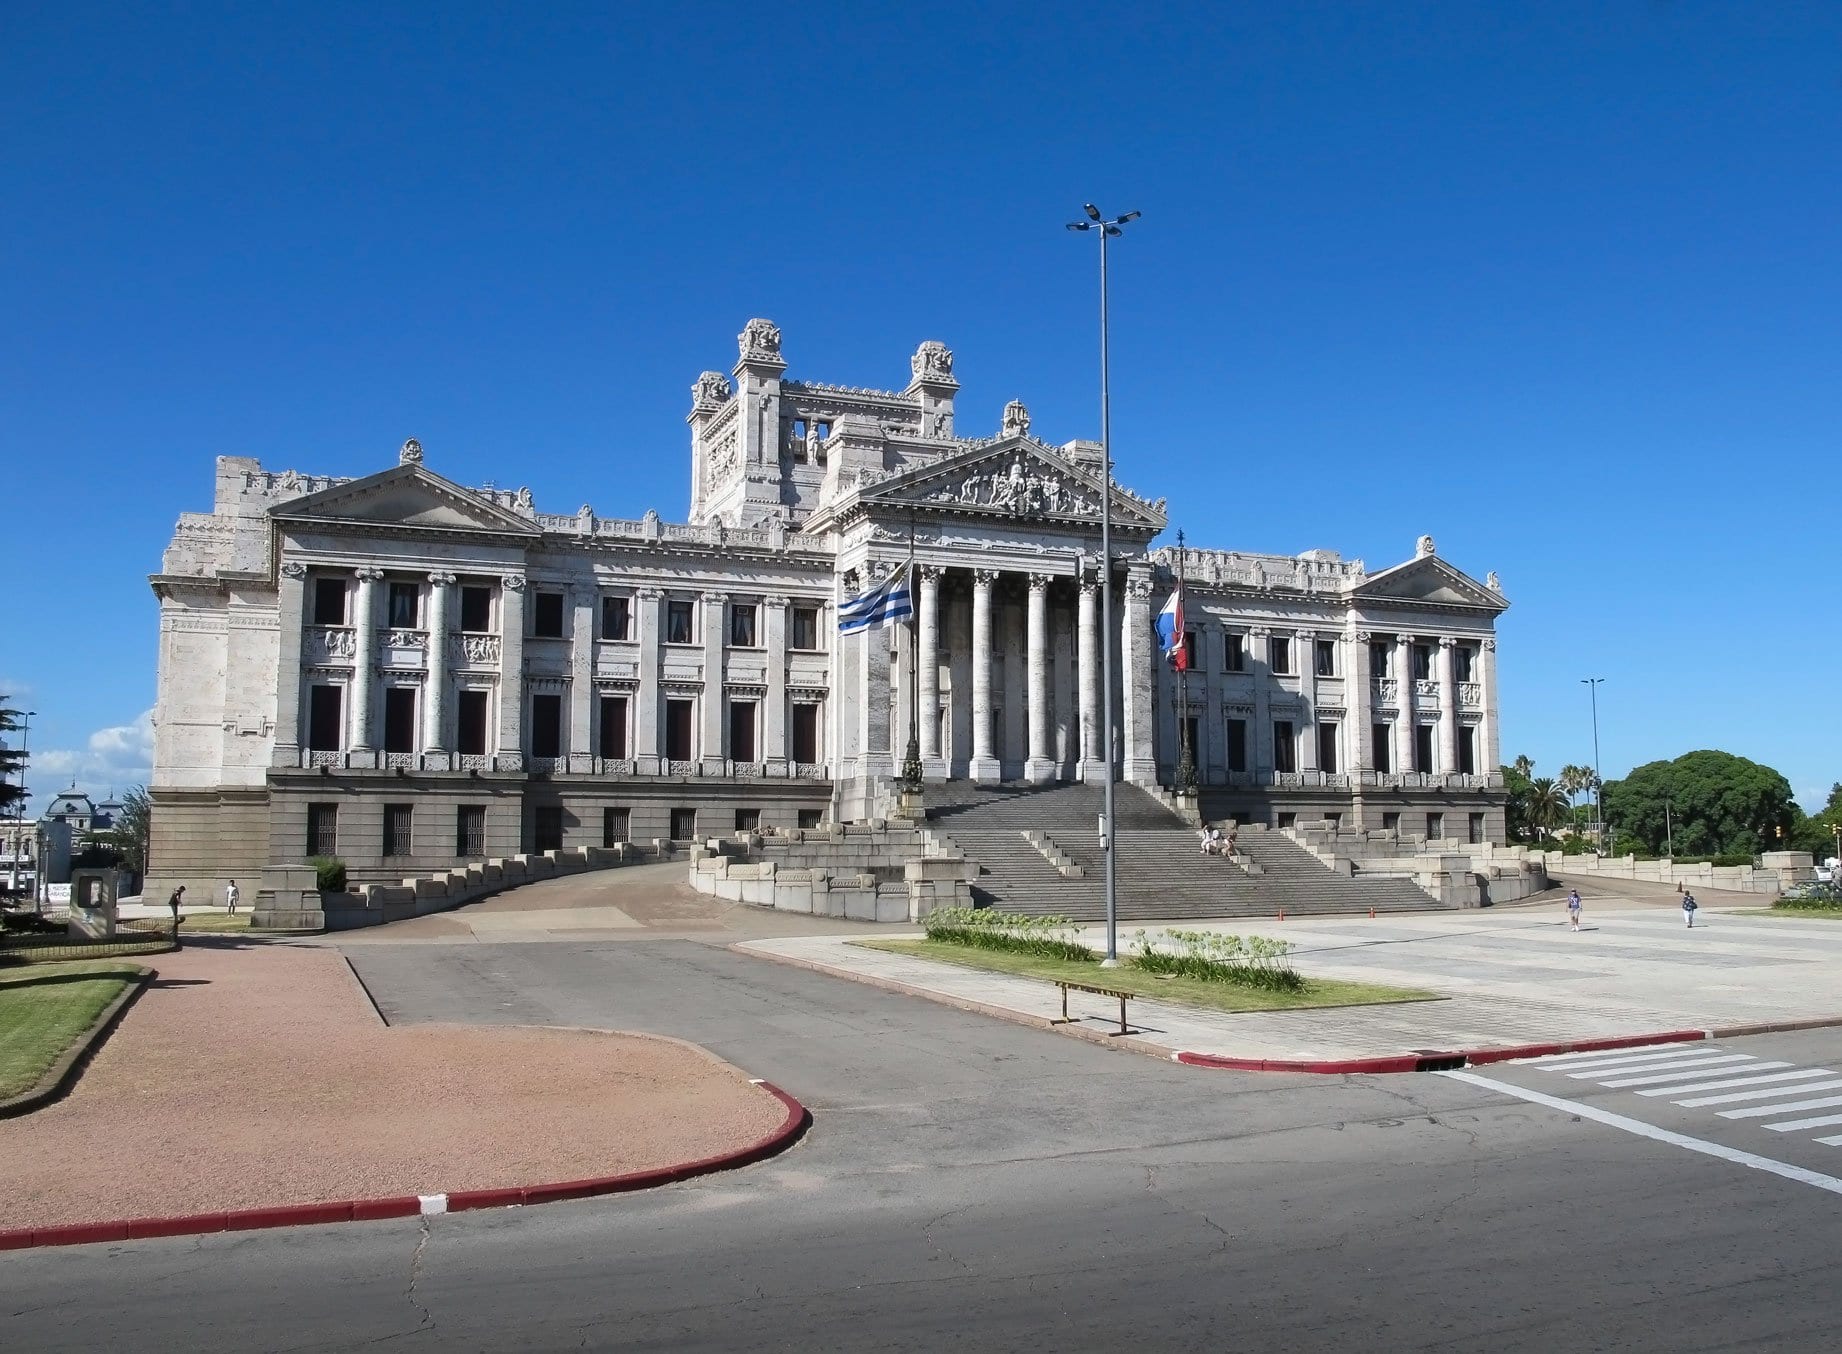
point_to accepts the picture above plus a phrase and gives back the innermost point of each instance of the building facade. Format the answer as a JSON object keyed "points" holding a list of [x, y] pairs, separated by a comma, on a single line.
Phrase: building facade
{"points": [[406, 673]]}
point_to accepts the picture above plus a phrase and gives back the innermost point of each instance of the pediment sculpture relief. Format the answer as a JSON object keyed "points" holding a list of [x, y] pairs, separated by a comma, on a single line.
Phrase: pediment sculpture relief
{"points": [[1025, 490]]}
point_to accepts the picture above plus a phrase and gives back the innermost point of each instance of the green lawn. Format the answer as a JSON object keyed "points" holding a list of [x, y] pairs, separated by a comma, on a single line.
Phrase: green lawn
{"points": [[44, 1010], [213, 922], [1181, 991]]}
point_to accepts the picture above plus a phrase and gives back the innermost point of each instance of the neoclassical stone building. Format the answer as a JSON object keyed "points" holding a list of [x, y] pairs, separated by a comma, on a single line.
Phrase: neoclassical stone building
{"points": [[405, 673]]}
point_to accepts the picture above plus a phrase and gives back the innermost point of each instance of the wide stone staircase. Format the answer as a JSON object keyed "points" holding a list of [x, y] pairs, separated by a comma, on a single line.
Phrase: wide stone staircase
{"points": [[1038, 852]]}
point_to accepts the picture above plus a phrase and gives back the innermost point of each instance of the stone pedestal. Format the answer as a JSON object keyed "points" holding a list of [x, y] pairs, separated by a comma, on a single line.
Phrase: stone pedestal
{"points": [[288, 899]]}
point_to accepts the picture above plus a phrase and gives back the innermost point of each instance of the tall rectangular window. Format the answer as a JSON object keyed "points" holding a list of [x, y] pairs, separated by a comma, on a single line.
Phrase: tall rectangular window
{"points": [[1435, 827], [679, 626], [399, 821], [1327, 747], [1279, 654], [806, 732], [1285, 749], [678, 730], [470, 831], [1422, 662], [1423, 748], [1234, 653], [616, 617], [742, 731], [547, 615], [1474, 828], [405, 606], [1467, 749], [547, 827], [1391, 822], [470, 731], [1384, 749], [748, 820], [684, 824], [1378, 658], [476, 608], [329, 601], [742, 625], [322, 829], [1190, 650], [1237, 745], [1324, 657], [325, 730], [399, 719], [613, 744], [805, 627], [1464, 659], [616, 826], [546, 726]]}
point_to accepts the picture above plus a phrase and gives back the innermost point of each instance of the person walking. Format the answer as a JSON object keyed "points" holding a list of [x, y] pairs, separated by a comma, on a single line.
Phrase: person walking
{"points": [[1573, 907], [231, 895], [174, 902], [1688, 908]]}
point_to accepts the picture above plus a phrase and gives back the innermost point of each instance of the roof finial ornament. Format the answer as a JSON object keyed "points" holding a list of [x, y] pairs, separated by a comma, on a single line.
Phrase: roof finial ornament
{"points": [[932, 361], [1492, 582], [410, 453], [1016, 420], [759, 341], [1424, 550]]}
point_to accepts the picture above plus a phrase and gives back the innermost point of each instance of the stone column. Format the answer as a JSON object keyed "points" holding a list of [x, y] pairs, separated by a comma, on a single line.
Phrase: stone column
{"points": [[435, 697], [1087, 675], [291, 614], [1305, 656], [1448, 705], [984, 765], [1040, 765], [774, 706], [1407, 720], [364, 661], [582, 679], [930, 670], [713, 749], [1260, 746], [1359, 703], [646, 602], [1489, 752], [509, 755], [1136, 669]]}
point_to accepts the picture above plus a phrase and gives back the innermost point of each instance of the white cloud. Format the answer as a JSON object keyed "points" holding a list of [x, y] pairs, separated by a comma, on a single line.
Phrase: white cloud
{"points": [[113, 759]]}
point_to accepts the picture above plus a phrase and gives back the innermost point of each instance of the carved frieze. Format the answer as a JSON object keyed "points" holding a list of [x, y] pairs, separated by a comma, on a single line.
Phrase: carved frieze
{"points": [[1020, 488], [478, 650], [324, 643]]}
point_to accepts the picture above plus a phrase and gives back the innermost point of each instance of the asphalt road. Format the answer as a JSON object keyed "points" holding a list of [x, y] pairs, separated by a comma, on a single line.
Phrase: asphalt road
{"points": [[977, 1184]]}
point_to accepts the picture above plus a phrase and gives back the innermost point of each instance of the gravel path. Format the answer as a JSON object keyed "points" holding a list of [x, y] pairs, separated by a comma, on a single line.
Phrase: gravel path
{"points": [[255, 1077]]}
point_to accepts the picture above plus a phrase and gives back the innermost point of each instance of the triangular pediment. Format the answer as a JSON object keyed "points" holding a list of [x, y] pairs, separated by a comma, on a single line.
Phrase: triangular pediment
{"points": [[1013, 477], [1430, 579], [406, 496]]}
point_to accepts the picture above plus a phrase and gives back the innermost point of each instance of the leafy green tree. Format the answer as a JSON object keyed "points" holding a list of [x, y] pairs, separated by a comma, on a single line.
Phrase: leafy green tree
{"points": [[12, 760], [128, 838], [1816, 832], [1717, 803], [1516, 798]]}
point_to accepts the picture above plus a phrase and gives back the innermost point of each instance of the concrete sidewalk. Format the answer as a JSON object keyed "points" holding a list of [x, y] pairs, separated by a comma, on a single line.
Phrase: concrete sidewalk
{"points": [[1507, 979]]}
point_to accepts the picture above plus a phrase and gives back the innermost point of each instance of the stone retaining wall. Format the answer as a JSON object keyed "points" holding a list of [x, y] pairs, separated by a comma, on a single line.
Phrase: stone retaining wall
{"points": [[866, 872], [1458, 874]]}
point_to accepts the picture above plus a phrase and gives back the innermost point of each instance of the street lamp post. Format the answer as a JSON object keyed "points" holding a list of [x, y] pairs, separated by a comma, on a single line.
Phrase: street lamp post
{"points": [[1592, 685], [1106, 229]]}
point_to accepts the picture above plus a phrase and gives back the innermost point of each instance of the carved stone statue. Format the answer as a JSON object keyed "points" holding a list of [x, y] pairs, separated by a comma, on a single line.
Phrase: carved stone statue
{"points": [[1016, 420], [712, 388], [1492, 582], [410, 453], [1424, 548], [937, 426], [933, 361], [524, 498], [759, 341]]}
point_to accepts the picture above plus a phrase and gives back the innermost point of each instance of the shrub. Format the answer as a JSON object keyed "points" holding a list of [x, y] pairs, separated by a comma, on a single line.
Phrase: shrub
{"points": [[1811, 898], [988, 929], [330, 872], [1247, 961]]}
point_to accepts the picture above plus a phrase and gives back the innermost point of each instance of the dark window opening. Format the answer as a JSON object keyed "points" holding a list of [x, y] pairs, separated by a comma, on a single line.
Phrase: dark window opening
{"points": [[1327, 748], [470, 831], [742, 731], [805, 627], [1463, 659], [1384, 752], [329, 601], [322, 829], [1234, 653], [1279, 654], [742, 625], [678, 731], [1287, 820], [404, 607], [398, 822], [616, 826], [547, 827], [748, 820], [684, 824], [1237, 745], [1378, 658], [324, 729], [399, 719], [678, 623], [616, 616], [1391, 822], [471, 733], [1423, 748], [811, 818], [476, 609], [546, 726], [1189, 650], [547, 615], [806, 733], [614, 728], [1325, 652], [1467, 749], [1285, 751], [1435, 827], [1474, 829], [1422, 662]]}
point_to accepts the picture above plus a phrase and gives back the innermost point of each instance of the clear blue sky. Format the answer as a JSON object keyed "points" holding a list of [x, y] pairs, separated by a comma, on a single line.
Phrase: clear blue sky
{"points": [[1556, 283]]}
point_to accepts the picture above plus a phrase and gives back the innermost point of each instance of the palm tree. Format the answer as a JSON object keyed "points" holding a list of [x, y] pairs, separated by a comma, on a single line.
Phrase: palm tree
{"points": [[1524, 766], [1572, 780], [1546, 805]]}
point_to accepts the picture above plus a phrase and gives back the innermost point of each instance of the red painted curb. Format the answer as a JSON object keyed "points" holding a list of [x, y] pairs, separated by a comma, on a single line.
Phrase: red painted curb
{"points": [[409, 1205], [1442, 1061]]}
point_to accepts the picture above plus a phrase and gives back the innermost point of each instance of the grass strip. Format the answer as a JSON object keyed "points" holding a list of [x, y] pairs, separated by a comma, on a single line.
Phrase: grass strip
{"points": [[1214, 996], [44, 1010]]}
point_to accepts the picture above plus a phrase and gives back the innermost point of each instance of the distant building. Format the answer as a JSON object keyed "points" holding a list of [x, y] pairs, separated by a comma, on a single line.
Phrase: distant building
{"points": [[406, 673]]}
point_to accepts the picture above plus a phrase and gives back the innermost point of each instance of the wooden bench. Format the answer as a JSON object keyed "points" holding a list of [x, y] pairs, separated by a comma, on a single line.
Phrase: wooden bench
{"points": [[1124, 997]]}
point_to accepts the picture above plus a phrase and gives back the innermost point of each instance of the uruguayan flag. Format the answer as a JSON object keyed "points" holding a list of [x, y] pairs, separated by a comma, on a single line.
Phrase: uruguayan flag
{"points": [[885, 604]]}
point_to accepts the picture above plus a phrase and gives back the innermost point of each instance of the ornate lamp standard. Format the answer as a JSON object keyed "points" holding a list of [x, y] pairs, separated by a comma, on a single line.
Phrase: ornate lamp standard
{"points": [[1107, 228], [1592, 685]]}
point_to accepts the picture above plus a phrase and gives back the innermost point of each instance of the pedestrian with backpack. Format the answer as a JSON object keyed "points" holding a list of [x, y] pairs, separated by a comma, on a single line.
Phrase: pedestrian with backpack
{"points": [[1573, 907], [1688, 908]]}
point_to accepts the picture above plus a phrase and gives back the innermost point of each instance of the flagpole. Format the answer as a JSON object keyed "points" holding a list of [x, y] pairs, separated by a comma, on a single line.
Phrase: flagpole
{"points": [[911, 761], [1186, 757]]}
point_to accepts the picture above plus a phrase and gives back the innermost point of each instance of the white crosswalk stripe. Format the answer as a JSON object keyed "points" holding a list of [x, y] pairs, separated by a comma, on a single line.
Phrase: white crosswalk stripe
{"points": [[1760, 1111], [1572, 1061], [1797, 1124], [1642, 1065], [1728, 1083], [1690, 1073]]}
